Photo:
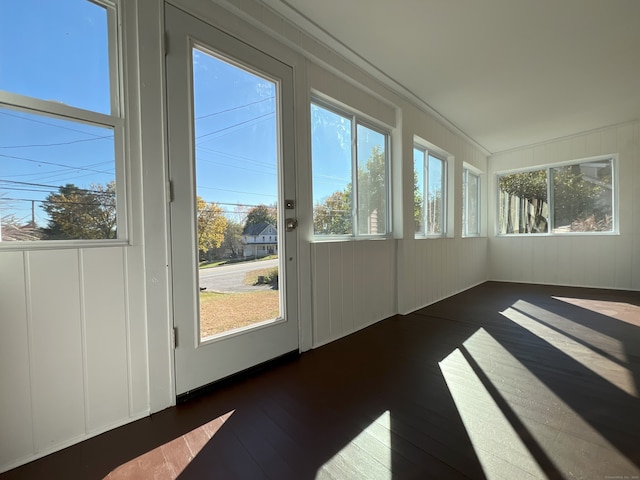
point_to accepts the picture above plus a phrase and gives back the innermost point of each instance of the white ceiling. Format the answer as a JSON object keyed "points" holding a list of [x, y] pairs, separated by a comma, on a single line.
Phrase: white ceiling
{"points": [[507, 73]]}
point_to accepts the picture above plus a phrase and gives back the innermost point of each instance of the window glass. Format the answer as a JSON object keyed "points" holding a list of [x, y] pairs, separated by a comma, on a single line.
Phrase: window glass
{"points": [[349, 175], [523, 205], [435, 196], [57, 178], [372, 182], [59, 163], [331, 177], [429, 193], [583, 197], [56, 51], [418, 189], [471, 203], [569, 198]]}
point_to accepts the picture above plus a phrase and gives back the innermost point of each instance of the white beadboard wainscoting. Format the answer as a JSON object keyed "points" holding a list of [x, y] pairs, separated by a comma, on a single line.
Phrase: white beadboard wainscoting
{"points": [[434, 269], [353, 286], [604, 261], [73, 359]]}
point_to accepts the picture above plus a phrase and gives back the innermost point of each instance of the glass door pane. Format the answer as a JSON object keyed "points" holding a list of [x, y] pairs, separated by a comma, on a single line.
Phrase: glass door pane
{"points": [[236, 155]]}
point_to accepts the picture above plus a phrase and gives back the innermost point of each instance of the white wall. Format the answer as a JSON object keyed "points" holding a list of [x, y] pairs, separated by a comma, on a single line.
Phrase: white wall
{"points": [[606, 261], [73, 361]]}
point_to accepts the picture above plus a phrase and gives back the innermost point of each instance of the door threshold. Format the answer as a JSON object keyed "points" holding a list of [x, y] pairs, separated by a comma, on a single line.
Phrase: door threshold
{"points": [[237, 377]]}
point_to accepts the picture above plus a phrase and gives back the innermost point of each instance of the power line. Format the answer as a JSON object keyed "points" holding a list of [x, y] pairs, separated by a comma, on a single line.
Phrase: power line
{"points": [[55, 187], [234, 108], [55, 164], [234, 156], [47, 123], [234, 125], [58, 144], [239, 168], [236, 191]]}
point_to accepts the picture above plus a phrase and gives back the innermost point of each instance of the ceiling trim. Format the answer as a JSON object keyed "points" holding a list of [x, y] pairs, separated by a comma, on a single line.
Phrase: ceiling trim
{"points": [[287, 13]]}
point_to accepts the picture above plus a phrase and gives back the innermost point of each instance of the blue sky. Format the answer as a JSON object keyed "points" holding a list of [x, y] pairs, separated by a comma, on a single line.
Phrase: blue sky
{"points": [[52, 51]]}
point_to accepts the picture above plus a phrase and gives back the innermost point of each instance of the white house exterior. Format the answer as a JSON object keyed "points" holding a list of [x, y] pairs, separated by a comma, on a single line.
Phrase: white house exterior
{"points": [[259, 240]]}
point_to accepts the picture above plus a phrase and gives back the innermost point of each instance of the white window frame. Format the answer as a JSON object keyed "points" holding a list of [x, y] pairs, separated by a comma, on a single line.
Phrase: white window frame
{"points": [[356, 120], [425, 194], [115, 121], [466, 172], [551, 202]]}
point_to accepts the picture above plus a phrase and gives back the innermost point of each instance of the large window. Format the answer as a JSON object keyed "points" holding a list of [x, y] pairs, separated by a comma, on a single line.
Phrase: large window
{"points": [[430, 176], [61, 125], [350, 174], [470, 203], [576, 197]]}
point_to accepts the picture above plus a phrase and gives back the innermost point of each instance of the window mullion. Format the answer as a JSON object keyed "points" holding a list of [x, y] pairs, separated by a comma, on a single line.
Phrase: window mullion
{"points": [[354, 176]]}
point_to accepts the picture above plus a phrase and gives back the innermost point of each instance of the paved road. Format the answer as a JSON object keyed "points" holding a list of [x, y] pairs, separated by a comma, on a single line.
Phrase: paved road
{"points": [[229, 278]]}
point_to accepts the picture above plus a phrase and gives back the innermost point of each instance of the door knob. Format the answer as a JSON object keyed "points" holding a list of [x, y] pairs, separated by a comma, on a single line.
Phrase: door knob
{"points": [[290, 224]]}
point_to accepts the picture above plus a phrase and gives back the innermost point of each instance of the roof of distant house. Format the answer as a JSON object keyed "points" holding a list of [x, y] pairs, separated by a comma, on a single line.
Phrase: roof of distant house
{"points": [[257, 228]]}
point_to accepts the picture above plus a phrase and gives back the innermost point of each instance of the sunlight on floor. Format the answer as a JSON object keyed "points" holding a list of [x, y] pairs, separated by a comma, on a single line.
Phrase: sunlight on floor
{"points": [[366, 456], [610, 371], [489, 386], [625, 312], [169, 460], [500, 450], [575, 329]]}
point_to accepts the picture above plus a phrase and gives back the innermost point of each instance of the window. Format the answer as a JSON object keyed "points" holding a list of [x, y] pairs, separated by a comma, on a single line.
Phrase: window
{"points": [[470, 203], [568, 198], [61, 125], [349, 175], [430, 175]]}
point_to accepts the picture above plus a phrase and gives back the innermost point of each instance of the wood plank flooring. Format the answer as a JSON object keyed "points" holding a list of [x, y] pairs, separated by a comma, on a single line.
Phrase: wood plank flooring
{"points": [[502, 381]]}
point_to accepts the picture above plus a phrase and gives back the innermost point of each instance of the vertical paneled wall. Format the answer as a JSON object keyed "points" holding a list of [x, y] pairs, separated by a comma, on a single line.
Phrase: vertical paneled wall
{"points": [[353, 286], [67, 369], [606, 261]]}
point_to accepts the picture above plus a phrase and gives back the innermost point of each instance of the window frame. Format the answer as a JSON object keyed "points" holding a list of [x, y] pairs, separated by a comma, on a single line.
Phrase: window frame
{"points": [[356, 120], [466, 172], [115, 121], [429, 152], [547, 168]]}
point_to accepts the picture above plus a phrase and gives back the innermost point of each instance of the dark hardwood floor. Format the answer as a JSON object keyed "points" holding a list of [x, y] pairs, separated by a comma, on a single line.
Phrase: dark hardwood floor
{"points": [[502, 381]]}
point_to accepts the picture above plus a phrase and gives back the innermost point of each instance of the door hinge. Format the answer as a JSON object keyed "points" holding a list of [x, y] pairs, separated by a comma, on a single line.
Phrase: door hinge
{"points": [[170, 193], [174, 338]]}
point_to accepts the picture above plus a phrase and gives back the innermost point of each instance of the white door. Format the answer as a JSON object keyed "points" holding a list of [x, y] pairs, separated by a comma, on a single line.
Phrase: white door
{"points": [[230, 110]]}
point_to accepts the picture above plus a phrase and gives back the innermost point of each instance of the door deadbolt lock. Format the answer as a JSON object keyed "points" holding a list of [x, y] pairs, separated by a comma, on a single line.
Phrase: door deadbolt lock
{"points": [[291, 224]]}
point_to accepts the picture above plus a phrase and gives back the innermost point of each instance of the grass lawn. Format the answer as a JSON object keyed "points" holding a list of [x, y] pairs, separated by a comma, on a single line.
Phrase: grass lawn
{"points": [[220, 312]]}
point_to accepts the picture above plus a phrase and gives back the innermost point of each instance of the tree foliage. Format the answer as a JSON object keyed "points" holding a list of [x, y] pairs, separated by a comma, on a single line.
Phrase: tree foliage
{"points": [[574, 196], [212, 225], [578, 201], [77, 213], [372, 193], [526, 200], [261, 214], [418, 211], [333, 216]]}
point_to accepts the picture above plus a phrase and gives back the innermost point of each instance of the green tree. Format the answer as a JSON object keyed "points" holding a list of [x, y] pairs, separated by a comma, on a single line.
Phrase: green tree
{"points": [[372, 193], [231, 244], [525, 189], [211, 225], [261, 214], [574, 197], [333, 215], [418, 211], [78, 213]]}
